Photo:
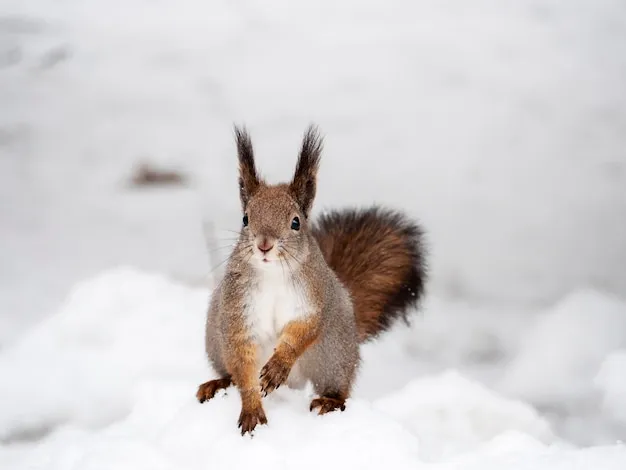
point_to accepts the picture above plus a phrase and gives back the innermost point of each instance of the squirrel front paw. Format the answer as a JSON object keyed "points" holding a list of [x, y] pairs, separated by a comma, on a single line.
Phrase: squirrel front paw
{"points": [[274, 374], [249, 418]]}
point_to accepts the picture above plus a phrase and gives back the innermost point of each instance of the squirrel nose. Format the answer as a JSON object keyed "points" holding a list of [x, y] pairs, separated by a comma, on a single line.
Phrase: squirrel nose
{"points": [[265, 245]]}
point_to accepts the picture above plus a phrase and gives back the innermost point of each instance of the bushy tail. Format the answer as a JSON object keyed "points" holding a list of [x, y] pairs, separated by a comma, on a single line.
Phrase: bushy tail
{"points": [[379, 255]]}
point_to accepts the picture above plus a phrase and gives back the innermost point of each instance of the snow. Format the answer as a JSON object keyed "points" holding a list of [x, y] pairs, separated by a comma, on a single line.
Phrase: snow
{"points": [[611, 382], [80, 356], [501, 125], [109, 382], [451, 414], [595, 324]]}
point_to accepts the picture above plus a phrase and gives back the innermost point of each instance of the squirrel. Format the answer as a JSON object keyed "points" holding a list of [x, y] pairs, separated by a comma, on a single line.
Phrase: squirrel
{"points": [[298, 296]]}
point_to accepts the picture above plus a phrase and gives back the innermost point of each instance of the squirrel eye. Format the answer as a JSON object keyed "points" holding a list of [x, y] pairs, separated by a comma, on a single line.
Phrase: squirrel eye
{"points": [[245, 220], [295, 224]]}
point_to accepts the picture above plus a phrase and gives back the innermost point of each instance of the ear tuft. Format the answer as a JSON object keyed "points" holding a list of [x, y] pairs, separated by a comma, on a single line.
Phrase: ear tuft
{"points": [[248, 177], [304, 183]]}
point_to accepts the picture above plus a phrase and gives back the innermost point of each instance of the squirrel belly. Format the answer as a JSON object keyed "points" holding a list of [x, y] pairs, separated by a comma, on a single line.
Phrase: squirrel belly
{"points": [[273, 301]]}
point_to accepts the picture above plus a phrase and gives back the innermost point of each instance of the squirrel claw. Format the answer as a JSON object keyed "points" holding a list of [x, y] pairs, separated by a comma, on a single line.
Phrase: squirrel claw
{"points": [[327, 404], [207, 390], [273, 375], [248, 419]]}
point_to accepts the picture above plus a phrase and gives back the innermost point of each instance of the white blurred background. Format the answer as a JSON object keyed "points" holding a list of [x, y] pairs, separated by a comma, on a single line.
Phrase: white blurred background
{"points": [[500, 125]]}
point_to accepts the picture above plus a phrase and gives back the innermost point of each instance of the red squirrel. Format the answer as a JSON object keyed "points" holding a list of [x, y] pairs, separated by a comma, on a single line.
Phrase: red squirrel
{"points": [[299, 296]]}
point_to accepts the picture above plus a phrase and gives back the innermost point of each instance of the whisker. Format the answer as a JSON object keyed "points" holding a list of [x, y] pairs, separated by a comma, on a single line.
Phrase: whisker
{"points": [[282, 266], [239, 249], [250, 253], [293, 246], [292, 255], [297, 283], [238, 232], [218, 265], [232, 245]]}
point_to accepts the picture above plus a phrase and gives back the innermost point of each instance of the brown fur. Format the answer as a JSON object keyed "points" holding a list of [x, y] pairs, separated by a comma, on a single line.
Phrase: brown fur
{"points": [[304, 182], [327, 404], [249, 180], [295, 339], [207, 390], [293, 288], [240, 359], [379, 255]]}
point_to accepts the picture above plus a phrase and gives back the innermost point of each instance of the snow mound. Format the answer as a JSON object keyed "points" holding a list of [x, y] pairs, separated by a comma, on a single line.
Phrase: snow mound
{"points": [[560, 356], [109, 383], [451, 414], [82, 364], [611, 381], [511, 452]]}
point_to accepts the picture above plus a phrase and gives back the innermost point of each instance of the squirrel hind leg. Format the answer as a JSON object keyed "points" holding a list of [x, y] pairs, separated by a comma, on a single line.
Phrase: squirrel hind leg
{"points": [[328, 402], [333, 381], [207, 390]]}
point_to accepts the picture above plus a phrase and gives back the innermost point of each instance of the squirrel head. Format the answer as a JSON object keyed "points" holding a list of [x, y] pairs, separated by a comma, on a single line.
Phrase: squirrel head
{"points": [[275, 221]]}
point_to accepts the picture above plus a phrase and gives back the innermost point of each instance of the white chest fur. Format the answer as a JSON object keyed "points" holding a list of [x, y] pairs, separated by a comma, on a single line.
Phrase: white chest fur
{"points": [[274, 300]]}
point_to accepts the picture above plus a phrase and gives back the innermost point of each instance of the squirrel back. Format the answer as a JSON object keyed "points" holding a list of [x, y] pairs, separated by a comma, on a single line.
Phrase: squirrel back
{"points": [[378, 254]]}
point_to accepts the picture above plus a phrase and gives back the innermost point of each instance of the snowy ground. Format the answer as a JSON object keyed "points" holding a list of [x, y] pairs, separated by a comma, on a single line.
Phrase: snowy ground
{"points": [[109, 382], [502, 125]]}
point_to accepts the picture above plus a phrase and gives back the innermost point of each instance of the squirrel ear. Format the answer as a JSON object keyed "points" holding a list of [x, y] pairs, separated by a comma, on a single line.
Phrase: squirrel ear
{"points": [[304, 181], [248, 177]]}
